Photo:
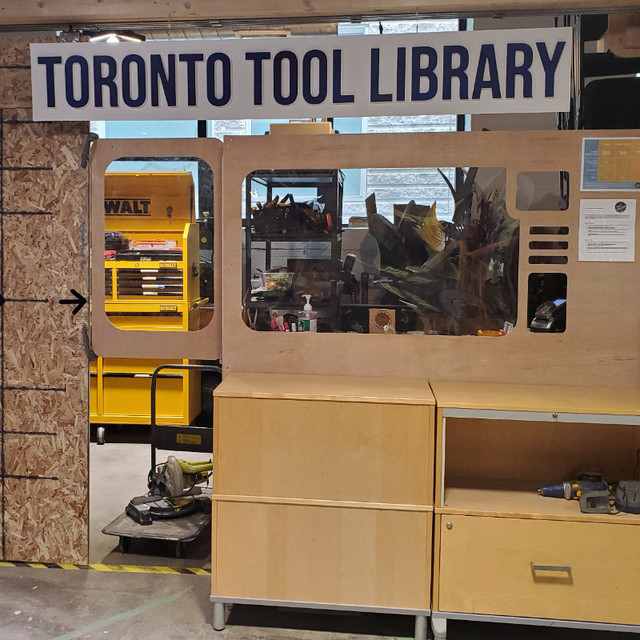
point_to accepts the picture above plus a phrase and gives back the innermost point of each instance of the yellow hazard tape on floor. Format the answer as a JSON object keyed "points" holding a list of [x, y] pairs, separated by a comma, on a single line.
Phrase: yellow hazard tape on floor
{"points": [[127, 568]]}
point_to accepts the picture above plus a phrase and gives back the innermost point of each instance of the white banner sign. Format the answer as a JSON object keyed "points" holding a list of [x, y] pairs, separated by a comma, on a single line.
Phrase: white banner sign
{"points": [[521, 71]]}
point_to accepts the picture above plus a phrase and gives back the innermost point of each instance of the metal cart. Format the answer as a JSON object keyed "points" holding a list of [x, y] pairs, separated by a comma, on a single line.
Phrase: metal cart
{"points": [[174, 438]]}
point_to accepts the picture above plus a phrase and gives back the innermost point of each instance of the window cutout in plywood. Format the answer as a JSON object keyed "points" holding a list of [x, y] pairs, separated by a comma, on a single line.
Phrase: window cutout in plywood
{"points": [[549, 245], [542, 191], [547, 302], [549, 231], [402, 266], [158, 243], [548, 259]]}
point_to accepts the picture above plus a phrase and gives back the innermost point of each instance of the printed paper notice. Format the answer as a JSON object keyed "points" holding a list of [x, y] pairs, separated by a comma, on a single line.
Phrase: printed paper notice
{"points": [[607, 230]]}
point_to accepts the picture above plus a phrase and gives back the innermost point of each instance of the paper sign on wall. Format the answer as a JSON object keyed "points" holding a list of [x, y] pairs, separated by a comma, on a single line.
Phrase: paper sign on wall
{"points": [[607, 230], [525, 71]]}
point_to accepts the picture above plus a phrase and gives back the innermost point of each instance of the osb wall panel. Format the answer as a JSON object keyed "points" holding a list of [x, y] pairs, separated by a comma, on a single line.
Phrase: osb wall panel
{"points": [[44, 385], [600, 347]]}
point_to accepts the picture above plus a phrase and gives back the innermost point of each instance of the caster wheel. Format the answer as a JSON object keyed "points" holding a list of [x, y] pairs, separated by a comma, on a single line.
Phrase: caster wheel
{"points": [[124, 544], [179, 549], [101, 435]]}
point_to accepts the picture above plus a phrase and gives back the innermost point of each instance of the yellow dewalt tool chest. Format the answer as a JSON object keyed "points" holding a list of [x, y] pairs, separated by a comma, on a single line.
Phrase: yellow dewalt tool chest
{"points": [[152, 282]]}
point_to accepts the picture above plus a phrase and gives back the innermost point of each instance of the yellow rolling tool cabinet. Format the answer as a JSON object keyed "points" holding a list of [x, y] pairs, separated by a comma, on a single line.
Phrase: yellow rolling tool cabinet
{"points": [[152, 282]]}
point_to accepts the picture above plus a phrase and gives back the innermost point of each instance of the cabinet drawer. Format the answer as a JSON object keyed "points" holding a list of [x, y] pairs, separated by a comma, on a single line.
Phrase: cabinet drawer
{"points": [[356, 451], [538, 568], [322, 554]]}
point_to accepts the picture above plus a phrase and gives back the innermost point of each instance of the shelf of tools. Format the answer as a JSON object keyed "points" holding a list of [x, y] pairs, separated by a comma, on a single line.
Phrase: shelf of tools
{"points": [[293, 245]]}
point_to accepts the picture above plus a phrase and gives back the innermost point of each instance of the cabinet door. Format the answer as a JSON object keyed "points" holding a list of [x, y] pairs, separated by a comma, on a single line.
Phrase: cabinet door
{"points": [[347, 556], [539, 568], [323, 450]]}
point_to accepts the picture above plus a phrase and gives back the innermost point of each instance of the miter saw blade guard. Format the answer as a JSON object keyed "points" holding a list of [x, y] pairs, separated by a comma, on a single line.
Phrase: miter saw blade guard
{"points": [[167, 479]]}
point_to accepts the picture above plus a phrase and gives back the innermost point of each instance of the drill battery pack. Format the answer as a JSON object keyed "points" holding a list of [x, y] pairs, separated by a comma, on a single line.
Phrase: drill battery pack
{"points": [[627, 496]]}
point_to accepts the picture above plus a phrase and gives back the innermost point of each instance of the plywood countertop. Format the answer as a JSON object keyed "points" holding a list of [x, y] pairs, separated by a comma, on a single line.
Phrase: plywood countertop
{"points": [[323, 387], [515, 397]]}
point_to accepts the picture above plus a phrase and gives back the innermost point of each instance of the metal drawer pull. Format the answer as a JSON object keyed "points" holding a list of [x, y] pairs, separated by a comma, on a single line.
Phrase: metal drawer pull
{"points": [[561, 568]]}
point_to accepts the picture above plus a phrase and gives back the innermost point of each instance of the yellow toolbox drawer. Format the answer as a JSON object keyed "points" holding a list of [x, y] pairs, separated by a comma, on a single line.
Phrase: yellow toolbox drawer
{"points": [[324, 554], [130, 396], [583, 571]]}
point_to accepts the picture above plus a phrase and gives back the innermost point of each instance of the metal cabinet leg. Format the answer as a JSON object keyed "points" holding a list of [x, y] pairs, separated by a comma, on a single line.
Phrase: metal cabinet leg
{"points": [[439, 628], [421, 628], [218, 616]]}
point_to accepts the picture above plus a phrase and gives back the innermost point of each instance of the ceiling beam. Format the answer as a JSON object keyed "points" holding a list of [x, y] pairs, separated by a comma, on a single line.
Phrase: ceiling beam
{"points": [[55, 12]]}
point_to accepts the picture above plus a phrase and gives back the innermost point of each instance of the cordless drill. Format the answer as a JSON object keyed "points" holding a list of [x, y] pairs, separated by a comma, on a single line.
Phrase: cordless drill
{"points": [[573, 489]]}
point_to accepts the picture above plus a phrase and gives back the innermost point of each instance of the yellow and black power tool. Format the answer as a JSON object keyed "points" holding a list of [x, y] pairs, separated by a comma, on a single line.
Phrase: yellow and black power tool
{"points": [[172, 491]]}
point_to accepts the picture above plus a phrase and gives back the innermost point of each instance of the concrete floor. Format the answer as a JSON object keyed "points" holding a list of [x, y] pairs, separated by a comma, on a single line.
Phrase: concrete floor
{"points": [[118, 472], [59, 604]]}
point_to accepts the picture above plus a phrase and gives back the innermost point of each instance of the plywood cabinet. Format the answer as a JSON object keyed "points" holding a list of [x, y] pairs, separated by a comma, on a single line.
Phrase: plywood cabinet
{"points": [[323, 492], [502, 549]]}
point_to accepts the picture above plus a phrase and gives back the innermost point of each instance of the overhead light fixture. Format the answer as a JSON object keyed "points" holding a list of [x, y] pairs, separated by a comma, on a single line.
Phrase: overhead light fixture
{"points": [[117, 36], [72, 35], [262, 33]]}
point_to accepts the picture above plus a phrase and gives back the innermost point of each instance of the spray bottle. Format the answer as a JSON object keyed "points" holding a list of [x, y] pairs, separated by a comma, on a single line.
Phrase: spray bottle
{"points": [[308, 317]]}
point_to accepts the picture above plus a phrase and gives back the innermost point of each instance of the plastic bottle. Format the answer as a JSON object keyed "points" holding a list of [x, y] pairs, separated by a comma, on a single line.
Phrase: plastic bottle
{"points": [[308, 317]]}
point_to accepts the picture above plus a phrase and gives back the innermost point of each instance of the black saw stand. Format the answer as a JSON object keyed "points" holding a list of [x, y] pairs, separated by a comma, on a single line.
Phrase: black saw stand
{"points": [[179, 530]]}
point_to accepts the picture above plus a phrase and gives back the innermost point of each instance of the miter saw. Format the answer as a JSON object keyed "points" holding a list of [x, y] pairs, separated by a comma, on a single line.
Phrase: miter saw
{"points": [[172, 491]]}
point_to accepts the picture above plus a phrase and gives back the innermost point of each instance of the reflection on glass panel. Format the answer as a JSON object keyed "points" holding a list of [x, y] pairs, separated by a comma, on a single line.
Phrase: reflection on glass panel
{"points": [[542, 191], [406, 271], [159, 243]]}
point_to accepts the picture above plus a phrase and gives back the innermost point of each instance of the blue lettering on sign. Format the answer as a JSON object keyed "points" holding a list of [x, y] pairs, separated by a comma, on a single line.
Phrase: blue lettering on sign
{"points": [[191, 59], [139, 80], [83, 67], [338, 96], [225, 63], [49, 62], [401, 72], [100, 80], [292, 93], [459, 71], [375, 94], [487, 62], [258, 57], [523, 69], [322, 66], [549, 65], [418, 72], [158, 73]]}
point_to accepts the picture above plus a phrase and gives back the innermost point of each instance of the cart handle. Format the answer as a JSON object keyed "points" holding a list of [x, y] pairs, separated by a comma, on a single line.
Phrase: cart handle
{"points": [[154, 379]]}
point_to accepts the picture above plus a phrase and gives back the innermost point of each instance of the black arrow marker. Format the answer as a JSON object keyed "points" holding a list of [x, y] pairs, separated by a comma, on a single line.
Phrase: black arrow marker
{"points": [[79, 300]]}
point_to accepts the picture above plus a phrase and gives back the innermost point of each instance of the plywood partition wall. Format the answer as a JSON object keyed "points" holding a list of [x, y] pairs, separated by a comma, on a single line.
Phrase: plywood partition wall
{"points": [[601, 345], [107, 339], [43, 369]]}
